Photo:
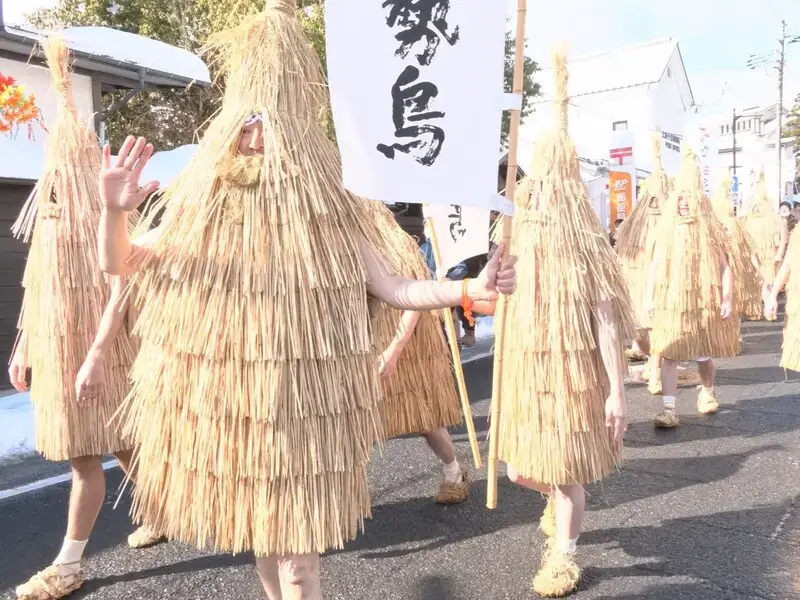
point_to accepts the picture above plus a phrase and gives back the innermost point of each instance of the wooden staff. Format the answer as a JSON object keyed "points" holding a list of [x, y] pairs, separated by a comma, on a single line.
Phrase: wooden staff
{"points": [[511, 188], [450, 326]]}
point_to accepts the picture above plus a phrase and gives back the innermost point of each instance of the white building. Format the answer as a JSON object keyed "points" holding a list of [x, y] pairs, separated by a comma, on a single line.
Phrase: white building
{"points": [[642, 89], [755, 131], [105, 61]]}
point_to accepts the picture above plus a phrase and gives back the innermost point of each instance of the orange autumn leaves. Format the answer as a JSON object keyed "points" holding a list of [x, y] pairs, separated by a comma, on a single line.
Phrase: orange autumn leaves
{"points": [[17, 108]]}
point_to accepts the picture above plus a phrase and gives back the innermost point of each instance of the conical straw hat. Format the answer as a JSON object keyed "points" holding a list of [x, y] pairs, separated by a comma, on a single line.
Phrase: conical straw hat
{"points": [[552, 427], [258, 367], [65, 292]]}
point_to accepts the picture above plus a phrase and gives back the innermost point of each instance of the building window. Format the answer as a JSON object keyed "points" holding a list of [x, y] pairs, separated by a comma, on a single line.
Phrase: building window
{"points": [[721, 129], [749, 123], [620, 126]]}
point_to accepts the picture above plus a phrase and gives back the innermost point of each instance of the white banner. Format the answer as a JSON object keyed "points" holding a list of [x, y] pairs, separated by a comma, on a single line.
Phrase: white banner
{"points": [[417, 91], [462, 232]]}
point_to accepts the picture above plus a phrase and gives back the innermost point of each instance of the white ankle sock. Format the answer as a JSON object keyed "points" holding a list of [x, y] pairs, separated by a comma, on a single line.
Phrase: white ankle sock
{"points": [[669, 403], [708, 390], [567, 546], [452, 472], [71, 552]]}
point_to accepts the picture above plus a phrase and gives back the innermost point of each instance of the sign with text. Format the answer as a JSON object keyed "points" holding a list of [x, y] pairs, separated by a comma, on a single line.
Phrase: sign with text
{"points": [[461, 231], [417, 95]]}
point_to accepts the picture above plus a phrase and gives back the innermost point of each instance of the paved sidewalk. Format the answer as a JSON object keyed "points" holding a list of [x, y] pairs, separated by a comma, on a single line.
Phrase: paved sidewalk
{"points": [[707, 512]]}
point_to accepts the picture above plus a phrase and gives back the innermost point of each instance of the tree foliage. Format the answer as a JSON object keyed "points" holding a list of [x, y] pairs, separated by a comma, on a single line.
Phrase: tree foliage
{"points": [[170, 118]]}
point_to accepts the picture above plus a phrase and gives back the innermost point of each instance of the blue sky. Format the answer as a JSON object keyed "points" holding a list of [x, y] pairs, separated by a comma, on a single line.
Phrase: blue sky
{"points": [[716, 36]]}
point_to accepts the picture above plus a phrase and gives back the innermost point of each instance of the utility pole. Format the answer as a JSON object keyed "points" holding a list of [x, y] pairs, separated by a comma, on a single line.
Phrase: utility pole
{"points": [[781, 66]]}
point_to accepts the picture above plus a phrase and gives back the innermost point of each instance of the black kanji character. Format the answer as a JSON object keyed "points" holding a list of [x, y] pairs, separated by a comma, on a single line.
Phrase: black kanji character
{"points": [[420, 19]]}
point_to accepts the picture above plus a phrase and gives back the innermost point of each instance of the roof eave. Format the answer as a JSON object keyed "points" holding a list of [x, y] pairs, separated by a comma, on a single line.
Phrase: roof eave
{"points": [[25, 46]]}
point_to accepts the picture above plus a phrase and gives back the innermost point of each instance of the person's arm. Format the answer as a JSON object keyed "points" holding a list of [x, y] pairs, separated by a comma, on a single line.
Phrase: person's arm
{"points": [[608, 341], [121, 194], [783, 244], [18, 367], [727, 290], [392, 353], [484, 307], [407, 294], [90, 376], [771, 303]]}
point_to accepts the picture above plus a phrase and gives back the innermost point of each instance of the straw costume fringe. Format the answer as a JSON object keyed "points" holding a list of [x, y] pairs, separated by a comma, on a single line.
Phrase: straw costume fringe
{"points": [[747, 289], [689, 258], [256, 392], [636, 236], [421, 395], [765, 227], [65, 292], [552, 425], [790, 358]]}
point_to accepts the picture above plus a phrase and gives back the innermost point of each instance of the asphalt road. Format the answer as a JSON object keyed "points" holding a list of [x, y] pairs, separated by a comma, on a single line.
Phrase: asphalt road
{"points": [[707, 512]]}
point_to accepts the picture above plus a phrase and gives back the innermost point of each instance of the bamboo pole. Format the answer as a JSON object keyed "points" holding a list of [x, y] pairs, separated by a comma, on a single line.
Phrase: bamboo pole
{"points": [[450, 326], [511, 188]]}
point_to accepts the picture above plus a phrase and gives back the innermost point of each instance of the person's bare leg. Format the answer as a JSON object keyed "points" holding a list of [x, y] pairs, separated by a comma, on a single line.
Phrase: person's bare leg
{"points": [[707, 370], [559, 574], [267, 569], [124, 458], [86, 497], [441, 443], [547, 522], [515, 477], [299, 577], [669, 380], [707, 403], [144, 536], [454, 488]]}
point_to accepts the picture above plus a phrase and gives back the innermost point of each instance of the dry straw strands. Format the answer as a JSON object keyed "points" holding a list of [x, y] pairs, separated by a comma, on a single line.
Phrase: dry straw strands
{"points": [[421, 395], [690, 254], [636, 236], [256, 392], [65, 292], [745, 273], [766, 228], [790, 358], [552, 423]]}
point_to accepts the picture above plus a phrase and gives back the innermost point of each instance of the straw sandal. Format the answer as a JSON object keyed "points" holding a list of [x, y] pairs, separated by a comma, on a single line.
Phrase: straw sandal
{"points": [[144, 537], [454, 493], [635, 355], [559, 575], [666, 420], [50, 584], [547, 523], [707, 403]]}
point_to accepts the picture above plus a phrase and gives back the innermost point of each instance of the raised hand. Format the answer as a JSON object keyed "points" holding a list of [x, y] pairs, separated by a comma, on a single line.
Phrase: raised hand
{"points": [[119, 183]]}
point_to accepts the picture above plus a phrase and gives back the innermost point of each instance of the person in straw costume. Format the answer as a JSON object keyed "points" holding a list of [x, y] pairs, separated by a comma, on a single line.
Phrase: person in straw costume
{"points": [[63, 307], [419, 392], [788, 279], [636, 239], [750, 287], [563, 405], [690, 291], [255, 400], [767, 229]]}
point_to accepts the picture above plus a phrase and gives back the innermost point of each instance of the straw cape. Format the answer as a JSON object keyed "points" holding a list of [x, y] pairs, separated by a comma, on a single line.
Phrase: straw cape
{"points": [[637, 234], [421, 394], [765, 227], [790, 358], [690, 254], [255, 395], [745, 274], [552, 423], [65, 292]]}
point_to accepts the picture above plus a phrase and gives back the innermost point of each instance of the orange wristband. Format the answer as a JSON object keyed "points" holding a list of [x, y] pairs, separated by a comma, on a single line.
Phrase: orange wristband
{"points": [[467, 303]]}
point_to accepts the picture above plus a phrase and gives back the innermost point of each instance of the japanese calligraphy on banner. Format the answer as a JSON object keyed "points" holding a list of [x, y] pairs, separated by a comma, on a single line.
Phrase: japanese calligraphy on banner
{"points": [[416, 89], [462, 232]]}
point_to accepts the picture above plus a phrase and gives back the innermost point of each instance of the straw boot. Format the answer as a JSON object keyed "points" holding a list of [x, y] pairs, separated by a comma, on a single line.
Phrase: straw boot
{"points": [[50, 584], [666, 420], [707, 403], [454, 493], [547, 523], [559, 574], [144, 537]]}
